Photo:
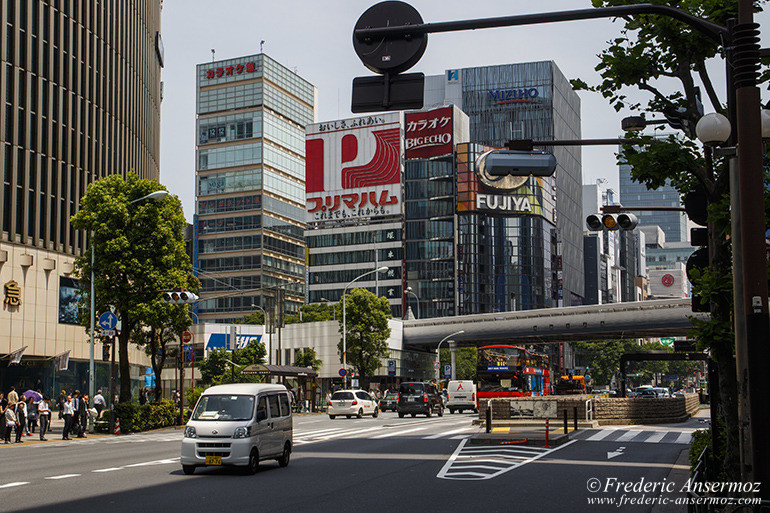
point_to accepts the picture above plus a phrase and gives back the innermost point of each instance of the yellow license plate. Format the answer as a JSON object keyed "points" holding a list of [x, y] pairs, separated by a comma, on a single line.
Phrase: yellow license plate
{"points": [[213, 460]]}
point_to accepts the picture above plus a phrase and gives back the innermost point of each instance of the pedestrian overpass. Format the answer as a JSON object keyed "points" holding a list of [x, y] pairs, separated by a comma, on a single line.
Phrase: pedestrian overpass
{"points": [[643, 319]]}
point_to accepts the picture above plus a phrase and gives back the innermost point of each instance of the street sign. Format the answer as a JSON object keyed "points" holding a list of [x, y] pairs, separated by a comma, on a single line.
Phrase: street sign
{"points": [[448, 371], [343, 372], [108, 333], [108, 321], [391, 367], [436, 365], [187, 337]]}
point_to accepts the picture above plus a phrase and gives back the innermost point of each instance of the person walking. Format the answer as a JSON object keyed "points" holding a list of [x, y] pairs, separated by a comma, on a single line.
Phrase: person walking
{"points": [[60, 403], [83, 416], [3, 406], [31, 416], [143, 396], [10, 421], [68, 412], [99, 403], [21, 419], [44, 416], [75, 425], [13, 397]]}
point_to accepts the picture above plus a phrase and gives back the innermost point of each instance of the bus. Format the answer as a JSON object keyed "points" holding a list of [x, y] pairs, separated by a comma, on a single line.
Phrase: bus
{"points": [[511, 371]]}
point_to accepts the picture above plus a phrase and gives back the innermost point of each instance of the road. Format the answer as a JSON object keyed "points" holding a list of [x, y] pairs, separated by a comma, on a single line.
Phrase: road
{"points": [[383, 464]]}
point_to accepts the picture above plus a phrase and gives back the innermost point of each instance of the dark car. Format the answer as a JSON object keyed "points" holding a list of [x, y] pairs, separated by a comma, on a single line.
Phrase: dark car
{"points": [[389, 402], [423, 398]]}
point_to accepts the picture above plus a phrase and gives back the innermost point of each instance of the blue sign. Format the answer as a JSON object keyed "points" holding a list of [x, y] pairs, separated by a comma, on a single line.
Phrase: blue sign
{"points": [[108, 321], [343, 372], [448, 371], [149, 377], [498, 368], [220, 341], [525, 95], [391, 367]]}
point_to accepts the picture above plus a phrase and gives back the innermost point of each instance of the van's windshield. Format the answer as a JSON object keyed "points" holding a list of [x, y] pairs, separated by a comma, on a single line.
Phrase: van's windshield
{"points": [[224, 407]]}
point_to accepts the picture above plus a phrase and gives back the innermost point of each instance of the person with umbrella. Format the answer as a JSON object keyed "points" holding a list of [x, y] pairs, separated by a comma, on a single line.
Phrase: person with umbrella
{"points": [[33, 401]]}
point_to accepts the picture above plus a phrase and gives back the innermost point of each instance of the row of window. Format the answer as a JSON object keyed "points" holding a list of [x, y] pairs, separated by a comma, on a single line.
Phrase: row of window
{"points": [[354, 257], [430, 270], [286, 134], [289, 81], [229, 156], [284, 228], [229, 224], [229, 181], [333, 295], [283, 186], [284, 247], [438, 229], [429, 249], [351, 238], [248, 282], [426, 189], [284, 161], [289, 107], [283, 266], [430, 208], [284, 209], [241, 203], [423, 169], [230, 128], [237, 96], [316, 278], [240, 243]]}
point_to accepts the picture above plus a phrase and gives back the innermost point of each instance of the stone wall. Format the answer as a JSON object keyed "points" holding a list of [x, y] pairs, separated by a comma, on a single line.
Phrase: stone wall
{"points": [[607, 410]]}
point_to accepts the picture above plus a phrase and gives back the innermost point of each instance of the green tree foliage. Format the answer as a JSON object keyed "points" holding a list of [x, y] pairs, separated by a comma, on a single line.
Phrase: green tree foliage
{"points": [[139, 251], [216, 368], [367, 332], [465, 365], [308, 358], [313, 312], [655, 55]]}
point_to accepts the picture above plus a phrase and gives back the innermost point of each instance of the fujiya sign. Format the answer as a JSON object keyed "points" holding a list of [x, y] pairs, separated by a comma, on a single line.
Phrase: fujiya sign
{"points": [[505, 203], [428, 134]]}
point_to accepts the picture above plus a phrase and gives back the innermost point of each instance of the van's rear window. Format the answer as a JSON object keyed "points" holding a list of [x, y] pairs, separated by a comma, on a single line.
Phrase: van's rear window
{"points": [[411, 388]]}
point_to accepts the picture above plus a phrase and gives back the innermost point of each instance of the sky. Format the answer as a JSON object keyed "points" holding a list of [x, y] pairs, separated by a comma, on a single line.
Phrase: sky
{"points": [[314, 38]]}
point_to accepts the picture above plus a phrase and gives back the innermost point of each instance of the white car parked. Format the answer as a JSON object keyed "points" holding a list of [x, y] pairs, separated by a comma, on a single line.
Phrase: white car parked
{"points": [[352, 402]]}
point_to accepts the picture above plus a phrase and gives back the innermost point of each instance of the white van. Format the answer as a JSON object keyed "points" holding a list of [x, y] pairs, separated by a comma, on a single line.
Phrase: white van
{"points": [[462, 396], [240, 424]]}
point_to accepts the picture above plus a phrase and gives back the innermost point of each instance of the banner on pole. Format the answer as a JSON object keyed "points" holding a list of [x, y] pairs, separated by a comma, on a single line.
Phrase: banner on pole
{"points": [[16, 355], [62, 361]]}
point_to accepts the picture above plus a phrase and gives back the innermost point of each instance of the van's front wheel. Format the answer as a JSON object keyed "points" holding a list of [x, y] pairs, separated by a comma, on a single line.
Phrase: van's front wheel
{"points": [[188, 469], [253, 465], [283, 461]]}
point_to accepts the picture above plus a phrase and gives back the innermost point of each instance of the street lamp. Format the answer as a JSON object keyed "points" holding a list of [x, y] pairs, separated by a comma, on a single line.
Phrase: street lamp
{"points": [[344, 321], [438, 350], [334, 310], [409, 291]]}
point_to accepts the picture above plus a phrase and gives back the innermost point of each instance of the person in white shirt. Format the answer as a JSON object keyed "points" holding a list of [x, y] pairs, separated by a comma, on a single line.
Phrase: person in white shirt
{"points": [[99, 403], [44, 416], [10, 421], [69, 410]]}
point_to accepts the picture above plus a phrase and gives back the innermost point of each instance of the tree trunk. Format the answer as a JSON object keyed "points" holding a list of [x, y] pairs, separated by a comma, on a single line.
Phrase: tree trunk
{"points": [[125, 368], [728, 396]]}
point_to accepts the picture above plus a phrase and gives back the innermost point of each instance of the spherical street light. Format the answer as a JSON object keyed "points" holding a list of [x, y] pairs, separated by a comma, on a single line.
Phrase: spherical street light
{"points": [[713, 129]]}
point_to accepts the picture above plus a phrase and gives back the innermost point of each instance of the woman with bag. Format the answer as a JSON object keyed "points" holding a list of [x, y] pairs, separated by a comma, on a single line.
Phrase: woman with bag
{"points": [[10, 421]]}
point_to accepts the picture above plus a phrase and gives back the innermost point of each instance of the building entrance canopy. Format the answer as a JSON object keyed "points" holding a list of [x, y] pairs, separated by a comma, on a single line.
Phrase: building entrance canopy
{"points": [[279, 370]]}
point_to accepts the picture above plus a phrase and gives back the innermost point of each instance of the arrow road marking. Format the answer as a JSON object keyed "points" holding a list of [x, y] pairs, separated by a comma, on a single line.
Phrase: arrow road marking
{"points": [[611, 455]]}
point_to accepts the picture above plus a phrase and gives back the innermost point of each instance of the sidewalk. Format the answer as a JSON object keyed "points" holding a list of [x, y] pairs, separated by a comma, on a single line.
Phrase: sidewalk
{"points": [[53, 434]]}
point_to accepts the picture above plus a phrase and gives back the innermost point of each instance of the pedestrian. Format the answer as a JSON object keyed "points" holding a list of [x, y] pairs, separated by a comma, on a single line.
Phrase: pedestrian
{"points": [[83, 416], [44, 416], [99, 403], [10, 421], [60, 403], [68, 412], [143, 396], [13, 397], [31, 416], [3, 406], [21, 419], [75, 426]]}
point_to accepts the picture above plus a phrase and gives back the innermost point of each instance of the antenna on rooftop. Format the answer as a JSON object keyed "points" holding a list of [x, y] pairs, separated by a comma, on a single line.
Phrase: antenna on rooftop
{"points": [[261, 44], [213, 52]]}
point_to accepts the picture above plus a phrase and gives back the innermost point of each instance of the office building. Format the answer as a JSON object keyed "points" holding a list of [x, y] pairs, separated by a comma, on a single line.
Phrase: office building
{"points": [[250, 187], [82, 90]]}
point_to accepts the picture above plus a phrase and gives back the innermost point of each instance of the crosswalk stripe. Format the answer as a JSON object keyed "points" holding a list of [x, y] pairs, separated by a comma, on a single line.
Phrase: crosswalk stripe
{"points": [[656, 437], [601, 435], [446, 433], [397, 433], [684, 438], [628, 435]]}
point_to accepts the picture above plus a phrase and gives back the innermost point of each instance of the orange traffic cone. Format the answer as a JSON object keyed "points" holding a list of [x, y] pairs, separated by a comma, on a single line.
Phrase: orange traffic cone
{"points": [[117, 427]]}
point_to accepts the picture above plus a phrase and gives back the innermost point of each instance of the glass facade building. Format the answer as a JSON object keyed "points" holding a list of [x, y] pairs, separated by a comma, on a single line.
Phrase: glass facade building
{"points": [[249, 247], [527, 101], [81, 90]]}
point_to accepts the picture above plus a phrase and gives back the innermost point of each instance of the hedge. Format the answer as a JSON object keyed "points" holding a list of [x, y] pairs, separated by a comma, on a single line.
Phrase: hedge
{"points": [[135, 417]]}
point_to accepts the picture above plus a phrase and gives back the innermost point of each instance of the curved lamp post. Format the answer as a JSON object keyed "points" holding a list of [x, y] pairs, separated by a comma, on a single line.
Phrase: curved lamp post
{"points": [[438, 349], [344, 321], [410, 291]]}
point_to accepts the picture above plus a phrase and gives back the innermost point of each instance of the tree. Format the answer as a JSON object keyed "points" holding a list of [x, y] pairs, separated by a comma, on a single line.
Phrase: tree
{"points": [[465, 365], [138, 250], [308, 358], [217, 369], [367, 332], [655, 54]]}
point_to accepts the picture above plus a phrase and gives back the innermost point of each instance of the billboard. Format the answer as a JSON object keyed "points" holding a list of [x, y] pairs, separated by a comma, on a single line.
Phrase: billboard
{"points": [[428, 134], [353, 168]]}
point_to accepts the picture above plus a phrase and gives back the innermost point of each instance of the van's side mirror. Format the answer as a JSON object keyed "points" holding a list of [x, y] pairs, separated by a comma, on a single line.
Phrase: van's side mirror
{"points": [[261, 415]]}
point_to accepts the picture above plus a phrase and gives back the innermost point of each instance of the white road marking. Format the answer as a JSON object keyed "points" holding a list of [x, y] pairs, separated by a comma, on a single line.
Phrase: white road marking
{"points": [[63, 476], [628, 435], [446, 433], [656, 437], [108, 469], [17, 483], [398, 433], [601, 435], [683, 438]]}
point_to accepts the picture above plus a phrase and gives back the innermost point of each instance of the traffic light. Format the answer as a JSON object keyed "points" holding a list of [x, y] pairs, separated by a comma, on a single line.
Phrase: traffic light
{"points": [[599, 222], [179, 297], [106, 352], [696, 208]]}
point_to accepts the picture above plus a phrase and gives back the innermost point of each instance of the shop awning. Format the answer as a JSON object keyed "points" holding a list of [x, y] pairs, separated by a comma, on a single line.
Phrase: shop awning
{"points": [[279, 370]]}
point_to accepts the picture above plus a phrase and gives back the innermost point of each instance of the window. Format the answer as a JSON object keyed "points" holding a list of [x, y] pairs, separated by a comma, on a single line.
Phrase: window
{"points": [[285, 406], [272, 400], [262, 408]]}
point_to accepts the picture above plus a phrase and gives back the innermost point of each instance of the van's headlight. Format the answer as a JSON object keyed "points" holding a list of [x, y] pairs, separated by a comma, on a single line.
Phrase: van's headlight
{"points": [[241, 432], [189, 432]]}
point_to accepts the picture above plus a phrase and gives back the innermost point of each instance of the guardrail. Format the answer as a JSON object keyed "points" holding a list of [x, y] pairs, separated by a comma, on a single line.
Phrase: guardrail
{"points": [[590, 409]]}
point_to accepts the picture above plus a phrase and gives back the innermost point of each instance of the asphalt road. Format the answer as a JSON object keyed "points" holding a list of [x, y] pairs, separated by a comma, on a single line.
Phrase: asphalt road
{"points": [[371, 465]]}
